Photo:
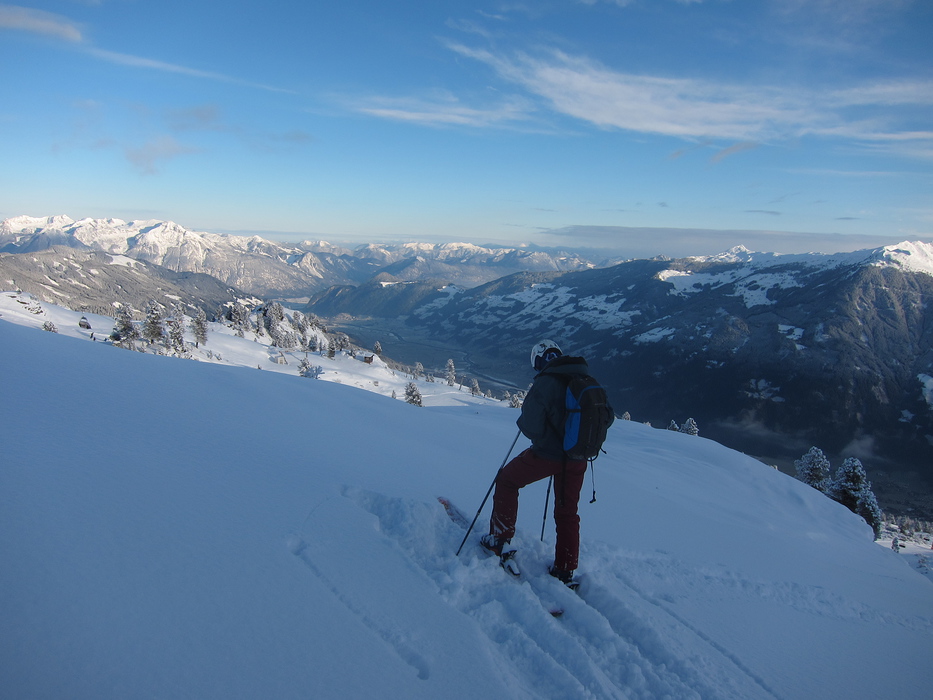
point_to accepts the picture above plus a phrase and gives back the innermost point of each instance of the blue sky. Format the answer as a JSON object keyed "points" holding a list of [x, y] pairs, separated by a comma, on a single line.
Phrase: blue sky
{"points": [[783, 124]]}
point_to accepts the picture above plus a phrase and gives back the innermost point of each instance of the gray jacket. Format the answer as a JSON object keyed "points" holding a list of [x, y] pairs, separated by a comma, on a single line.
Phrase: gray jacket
{"points": [[542, 418]]}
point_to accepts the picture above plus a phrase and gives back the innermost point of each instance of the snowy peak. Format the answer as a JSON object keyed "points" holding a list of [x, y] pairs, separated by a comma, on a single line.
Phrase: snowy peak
{"points": [[738, 254], [909, 256], [35, 224]]}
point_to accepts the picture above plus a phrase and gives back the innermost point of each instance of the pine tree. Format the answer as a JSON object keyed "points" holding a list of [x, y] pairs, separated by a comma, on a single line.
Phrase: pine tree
{"points": [[451, 373], [153, 330], [377, 348], [274, 314], [176, 332], [306, 369], [50, 327], [813, 469], [673, 426], [240, 318], [690, 427], [474, 387], [851, 488], [199, 328], [299, 322], [125, 332], [419, 370], [412, 395], [518, 398]]}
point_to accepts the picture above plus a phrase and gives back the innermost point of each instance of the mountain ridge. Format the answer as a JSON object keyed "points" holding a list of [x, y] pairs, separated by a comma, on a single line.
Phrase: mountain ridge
{"points": [[274, 270]]}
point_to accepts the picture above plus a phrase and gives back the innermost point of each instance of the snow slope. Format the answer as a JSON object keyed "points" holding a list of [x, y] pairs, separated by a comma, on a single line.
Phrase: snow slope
{"points": [[175, 529], [224, 347]]}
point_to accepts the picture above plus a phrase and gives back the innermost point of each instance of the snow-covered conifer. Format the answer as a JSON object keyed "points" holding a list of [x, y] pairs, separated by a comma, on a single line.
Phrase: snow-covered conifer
{"points": [[451, 373], [377, 348], [690, 427], [153, 330], [412, 395], [813, 469], [199, 328], [124, 331], [239, 317], [851, 488], [50, 327], [474, 388], [306, 369], [673, 426], [299, 322], [176, 332]]}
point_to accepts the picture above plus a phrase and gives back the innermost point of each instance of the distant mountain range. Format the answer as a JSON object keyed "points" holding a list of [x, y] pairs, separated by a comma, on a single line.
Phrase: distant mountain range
{"points": [[274, 270], [770, 353]]}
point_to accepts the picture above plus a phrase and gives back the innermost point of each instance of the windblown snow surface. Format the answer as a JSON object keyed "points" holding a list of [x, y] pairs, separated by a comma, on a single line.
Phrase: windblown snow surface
{"points": [[173, 529]]}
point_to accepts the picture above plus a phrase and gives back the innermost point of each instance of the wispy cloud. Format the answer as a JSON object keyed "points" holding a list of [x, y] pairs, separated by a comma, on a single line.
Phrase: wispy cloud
{"points": [[897, 92], [153, 64], [876, 115], [443, 111], [584, 89], [39, 22], [733, 149], [62, 28]]}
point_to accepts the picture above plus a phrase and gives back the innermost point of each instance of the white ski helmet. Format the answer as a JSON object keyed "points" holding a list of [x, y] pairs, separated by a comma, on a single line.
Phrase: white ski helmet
{"points": [[543, 352]]}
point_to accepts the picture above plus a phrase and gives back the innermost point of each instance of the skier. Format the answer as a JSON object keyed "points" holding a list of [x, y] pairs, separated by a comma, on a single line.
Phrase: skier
{"points": [[540, 421]]}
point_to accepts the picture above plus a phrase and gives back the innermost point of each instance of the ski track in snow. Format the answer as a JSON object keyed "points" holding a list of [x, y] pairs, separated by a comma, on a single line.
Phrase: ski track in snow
{"points": [[305, 552], [605, 646]]}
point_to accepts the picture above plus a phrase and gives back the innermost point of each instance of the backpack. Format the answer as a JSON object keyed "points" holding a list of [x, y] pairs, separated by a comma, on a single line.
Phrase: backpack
{"points": [[587, 418]]}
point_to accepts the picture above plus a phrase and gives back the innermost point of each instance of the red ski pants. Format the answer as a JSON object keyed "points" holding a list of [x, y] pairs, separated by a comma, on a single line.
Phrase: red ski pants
{"points": [[525, 469]]}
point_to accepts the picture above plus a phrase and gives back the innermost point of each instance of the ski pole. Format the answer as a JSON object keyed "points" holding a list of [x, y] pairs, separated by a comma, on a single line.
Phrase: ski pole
{"points": [[593, 475], [482, 505], [547, 498]]}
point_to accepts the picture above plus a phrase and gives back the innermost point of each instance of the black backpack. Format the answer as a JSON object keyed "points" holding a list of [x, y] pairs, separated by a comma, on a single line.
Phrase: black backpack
{"points": [[587, 418]]}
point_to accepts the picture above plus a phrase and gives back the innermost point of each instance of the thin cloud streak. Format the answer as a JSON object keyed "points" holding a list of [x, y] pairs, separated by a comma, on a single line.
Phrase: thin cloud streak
{"points": [[442, 112], [39, 22], [152, 64], [732, 150]]}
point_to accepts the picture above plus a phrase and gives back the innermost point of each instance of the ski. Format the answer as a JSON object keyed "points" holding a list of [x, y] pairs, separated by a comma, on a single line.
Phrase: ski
{"points": [[506, 559], [456, 515]]}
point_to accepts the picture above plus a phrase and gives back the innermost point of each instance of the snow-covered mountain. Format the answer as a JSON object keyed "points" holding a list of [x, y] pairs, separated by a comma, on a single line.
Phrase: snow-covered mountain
{"points": [[92, 281], [771, 353], [273, 270], [182, 529]]}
